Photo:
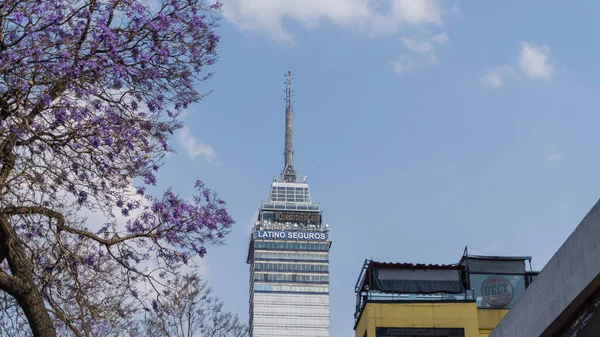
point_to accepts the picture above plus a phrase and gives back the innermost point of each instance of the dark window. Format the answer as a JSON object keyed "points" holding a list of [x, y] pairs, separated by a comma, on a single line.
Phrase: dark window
{"points": [[268, 215], [420, 332]]}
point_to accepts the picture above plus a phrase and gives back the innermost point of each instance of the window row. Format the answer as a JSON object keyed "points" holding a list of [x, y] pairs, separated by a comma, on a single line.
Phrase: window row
{"points": [[291, 198], [291, 256], [315, 246], [269, 205], [290, 288], [290, 266], [291, 277], [289, 193], [289, 189]]}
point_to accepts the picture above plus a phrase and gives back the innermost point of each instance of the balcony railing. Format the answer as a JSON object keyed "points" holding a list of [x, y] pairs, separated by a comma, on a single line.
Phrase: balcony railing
{"points": [[376, 296]]}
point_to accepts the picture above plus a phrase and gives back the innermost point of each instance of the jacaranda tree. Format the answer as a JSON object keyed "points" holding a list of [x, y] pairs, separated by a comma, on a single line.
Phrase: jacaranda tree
{"points": [[192, 311], [90, 91]]}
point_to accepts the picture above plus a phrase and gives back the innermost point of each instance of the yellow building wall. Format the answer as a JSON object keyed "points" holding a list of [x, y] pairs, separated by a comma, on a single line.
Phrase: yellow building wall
{"points": [[488, 319], [361, 326], [418, 315], [476, 322]]}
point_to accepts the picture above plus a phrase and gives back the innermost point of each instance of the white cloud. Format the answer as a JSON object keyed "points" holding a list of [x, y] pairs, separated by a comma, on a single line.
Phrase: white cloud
{"points": [[399, 13], [416, 12], [194, 147], [440, 38], [495, 77], [425, 48], [534, 62], [267, 16], [403, 64], [554, 156]]}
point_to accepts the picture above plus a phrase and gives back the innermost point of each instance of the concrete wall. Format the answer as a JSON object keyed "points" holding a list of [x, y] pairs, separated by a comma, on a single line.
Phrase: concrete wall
{"points": [[570, 276]]}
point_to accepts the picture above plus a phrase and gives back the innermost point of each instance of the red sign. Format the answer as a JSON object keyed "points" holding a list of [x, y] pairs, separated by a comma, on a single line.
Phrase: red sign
{"points": [[497, 291]]}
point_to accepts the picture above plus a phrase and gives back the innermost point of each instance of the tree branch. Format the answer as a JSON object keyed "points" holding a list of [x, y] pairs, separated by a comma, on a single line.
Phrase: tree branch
{"points": [[29, 210], [10, 284]]}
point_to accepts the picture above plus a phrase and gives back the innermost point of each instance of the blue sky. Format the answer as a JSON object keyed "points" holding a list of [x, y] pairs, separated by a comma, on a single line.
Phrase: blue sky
{"points": [[422, 126]]}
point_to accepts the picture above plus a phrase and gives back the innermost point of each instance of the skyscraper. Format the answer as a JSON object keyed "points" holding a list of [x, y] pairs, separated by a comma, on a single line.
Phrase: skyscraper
{"points": [[289, 255]]}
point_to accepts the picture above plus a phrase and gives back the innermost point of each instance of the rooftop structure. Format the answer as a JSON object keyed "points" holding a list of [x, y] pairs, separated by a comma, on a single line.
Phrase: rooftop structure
{"points": [[466, 299]]}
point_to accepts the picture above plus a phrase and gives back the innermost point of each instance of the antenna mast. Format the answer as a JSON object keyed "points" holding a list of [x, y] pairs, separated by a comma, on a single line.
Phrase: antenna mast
{"points": [[289, 171]]}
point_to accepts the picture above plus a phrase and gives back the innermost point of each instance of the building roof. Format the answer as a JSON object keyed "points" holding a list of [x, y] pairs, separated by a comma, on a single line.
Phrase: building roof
{"points": [[369, 265], [496, 257], [394, 265]]}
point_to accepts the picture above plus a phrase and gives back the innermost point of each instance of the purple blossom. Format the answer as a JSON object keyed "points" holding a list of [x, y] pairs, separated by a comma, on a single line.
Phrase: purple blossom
{"points": [[18, 17], [82, 197], [95, 141], [90, 260]]}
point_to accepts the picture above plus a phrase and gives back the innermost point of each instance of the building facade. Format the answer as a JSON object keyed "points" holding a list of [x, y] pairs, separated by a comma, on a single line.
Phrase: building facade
{"points": [[564, 300], [288, 256], [467, 299]]}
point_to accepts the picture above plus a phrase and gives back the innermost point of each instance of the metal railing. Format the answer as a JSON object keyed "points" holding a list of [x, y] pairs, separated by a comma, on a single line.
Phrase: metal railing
{"points": [[375, 296]]}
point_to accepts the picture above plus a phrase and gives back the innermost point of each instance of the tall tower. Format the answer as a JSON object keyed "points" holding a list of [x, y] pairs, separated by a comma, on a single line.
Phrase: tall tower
{"points": [[289, 255]]}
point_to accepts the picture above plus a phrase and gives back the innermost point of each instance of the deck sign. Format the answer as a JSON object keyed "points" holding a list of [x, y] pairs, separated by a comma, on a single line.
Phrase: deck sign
{"points": [[297, 217], [497, 291]]}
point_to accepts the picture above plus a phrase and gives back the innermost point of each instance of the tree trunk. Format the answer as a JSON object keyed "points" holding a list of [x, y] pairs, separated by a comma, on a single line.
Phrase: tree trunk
{"points": [[22, 286], [33, 306]]}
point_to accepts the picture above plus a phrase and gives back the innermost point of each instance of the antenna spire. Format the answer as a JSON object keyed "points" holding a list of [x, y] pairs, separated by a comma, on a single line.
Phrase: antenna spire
{"points": [[289, 171]]}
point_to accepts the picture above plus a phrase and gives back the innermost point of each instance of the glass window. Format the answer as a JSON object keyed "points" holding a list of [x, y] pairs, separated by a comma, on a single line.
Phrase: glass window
{"points": [[268, 216]]}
